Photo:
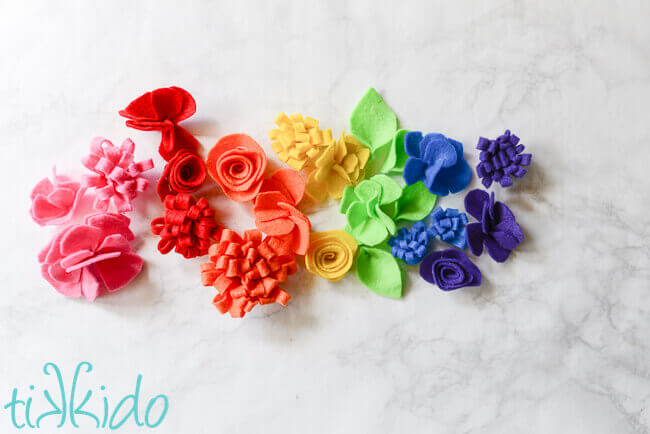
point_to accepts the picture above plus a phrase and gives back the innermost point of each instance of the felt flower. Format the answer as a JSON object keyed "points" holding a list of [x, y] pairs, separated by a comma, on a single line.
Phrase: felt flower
{"points": [[330, 254], [238, 164], [185, 173], [298, 141], [247, 271], [497, 228], [410, 245], [437, 161], [86, 259], [188, 226], [276, 211], [501, 158], [449, 225], [117, 177], [54, 202], [340, 164], [161, 110], [450, 269]]}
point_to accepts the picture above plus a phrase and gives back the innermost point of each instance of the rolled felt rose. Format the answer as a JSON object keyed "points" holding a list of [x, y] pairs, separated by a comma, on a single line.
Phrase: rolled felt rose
{"points": [[185, 173], [238, 164], [330, 254], [450, 269]]}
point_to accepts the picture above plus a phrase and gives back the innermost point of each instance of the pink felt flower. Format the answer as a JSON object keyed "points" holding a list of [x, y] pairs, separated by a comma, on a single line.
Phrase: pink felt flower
{"points": [[54, 202], [117, 176], [85, 259]]}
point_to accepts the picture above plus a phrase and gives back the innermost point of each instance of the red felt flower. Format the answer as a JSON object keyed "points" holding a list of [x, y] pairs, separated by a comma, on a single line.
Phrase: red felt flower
{"points": [[188, 226], [162, 110], [184, 173], [238, 164], [246, 271]]}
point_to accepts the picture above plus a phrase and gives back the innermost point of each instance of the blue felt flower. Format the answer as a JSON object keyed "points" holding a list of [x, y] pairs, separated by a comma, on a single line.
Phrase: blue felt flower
{"points": [[449, 225], [410, 245], [437, 161]]}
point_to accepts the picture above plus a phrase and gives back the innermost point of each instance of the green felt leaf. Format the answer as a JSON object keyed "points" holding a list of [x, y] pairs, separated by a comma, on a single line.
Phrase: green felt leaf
{"points": [[365, 229], [378, 270], [390, 190], [416, 202], [395, 154], [372, 121]]}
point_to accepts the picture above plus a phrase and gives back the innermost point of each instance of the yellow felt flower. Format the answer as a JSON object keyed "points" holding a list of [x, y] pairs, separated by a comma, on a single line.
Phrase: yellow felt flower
{"points": [[298, 142], [339, 165], [330, 254]]}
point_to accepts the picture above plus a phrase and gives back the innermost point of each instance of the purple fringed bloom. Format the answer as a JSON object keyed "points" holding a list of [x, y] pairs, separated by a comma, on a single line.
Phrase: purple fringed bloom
{"points": [[501, 158], [410, 245], [449, 224], [450, 269], [497, 227]]}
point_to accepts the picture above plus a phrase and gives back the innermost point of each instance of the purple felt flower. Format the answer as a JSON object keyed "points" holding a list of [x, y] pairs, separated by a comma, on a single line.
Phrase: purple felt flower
{"points": [[501, 158], [450, 269], [497, 227], [437, 161]]}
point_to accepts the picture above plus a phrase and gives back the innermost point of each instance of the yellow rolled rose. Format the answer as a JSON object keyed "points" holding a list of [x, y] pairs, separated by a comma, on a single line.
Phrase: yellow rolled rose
{"points": [[330, 254]]}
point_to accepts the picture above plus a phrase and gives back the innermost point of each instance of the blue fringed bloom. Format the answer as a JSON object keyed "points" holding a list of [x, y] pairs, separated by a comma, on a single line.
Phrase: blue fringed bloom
{"points": [[449, 225], [410, 245]]}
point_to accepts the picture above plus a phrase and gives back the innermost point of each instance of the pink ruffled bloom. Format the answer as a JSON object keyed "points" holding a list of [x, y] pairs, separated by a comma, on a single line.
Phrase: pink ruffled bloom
{"points": [[54, 202], [117, 176], [85, 259]]}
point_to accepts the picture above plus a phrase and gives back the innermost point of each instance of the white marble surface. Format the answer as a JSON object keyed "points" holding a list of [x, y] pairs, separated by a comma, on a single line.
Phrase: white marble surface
{"points": [[557, 340]]}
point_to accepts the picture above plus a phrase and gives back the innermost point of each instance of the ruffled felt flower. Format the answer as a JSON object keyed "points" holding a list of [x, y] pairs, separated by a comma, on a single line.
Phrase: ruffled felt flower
{"points": [[450, 269], [162, 110], [330, 254], [247, 271], [449, 225], [501, 158], [185, 173], [497, 228], [437, 161], [299, 141], [238, 164], [54, 202], [188, 226], [117, 177], [340, 164], [276, 211], [410, 245], [86, 259]]}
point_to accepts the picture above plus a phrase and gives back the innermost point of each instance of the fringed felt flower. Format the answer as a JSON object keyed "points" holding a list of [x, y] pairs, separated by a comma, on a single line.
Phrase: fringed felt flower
{"points": [[298, 141], [501, 158], [185, 173], [497, 228], [86, 259], [55, 201], [237, 163], [340, 164], [247, 271], [188, 226], [437, 161], [117, 177], [331, 254], [450, 269], [410, 245], [449, 225], [162, 110]]}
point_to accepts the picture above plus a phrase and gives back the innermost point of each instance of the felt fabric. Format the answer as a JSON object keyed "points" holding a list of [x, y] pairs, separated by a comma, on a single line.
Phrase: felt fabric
{"points": [[331, 254], [184, 173], [449, 225], [87, 259], [437, 161], [450, 269], [497, 227], [237, 163], [372, 121], [247, 271], [410, 245], [396, 155], [298, 142], [188, 226], [415, 203], [501, 158], [55, 201], [116, 177], [378, 271], [162, 110], [339, 165]]}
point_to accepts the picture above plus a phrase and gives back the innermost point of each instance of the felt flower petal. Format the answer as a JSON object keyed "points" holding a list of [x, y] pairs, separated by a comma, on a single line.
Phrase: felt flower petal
{"points": [[331, 254], [55, 201], [475, 201], [117, 272], [390, 190], [288, 182], [372, 121], [455, 178], [396, 156], [378, 271], [412, 141], [415, 203]]}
